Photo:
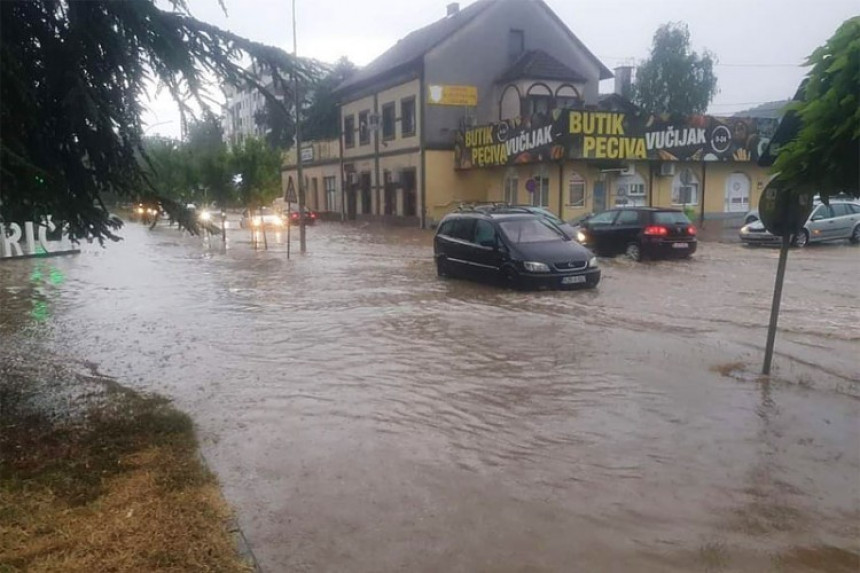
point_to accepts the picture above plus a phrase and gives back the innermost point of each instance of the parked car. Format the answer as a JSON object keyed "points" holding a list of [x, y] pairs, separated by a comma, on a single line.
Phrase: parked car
{"points": [[838, 221], [640, 232], [566, 228], [753, 215], [518, 249], [267, 218]]}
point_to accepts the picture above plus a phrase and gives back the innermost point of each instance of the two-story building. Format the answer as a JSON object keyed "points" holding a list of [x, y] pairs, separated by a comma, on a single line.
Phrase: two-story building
{"points": [[499, 101], [401, 113]]}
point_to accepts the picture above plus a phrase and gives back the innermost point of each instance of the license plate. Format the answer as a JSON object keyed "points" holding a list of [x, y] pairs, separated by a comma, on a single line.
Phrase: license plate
{"points": [[572, 280], [680, 245]]}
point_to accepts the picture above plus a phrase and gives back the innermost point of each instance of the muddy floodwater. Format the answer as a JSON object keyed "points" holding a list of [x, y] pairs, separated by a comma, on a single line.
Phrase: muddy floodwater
{"points": [[363, 415]]}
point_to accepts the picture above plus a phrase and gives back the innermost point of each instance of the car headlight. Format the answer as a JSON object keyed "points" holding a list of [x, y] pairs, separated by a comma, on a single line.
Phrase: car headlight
{"points": [[255, 221], [592, 263], [534, 267], [205, 216], [580, 236], [745, 230]]}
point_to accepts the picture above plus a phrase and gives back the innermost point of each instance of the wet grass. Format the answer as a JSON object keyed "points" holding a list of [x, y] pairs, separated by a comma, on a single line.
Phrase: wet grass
{"points": [[118, 488]]}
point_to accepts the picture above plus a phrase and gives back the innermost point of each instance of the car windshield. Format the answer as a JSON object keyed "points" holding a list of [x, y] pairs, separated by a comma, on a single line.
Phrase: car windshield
{"points": [[670, 218], [530, 231]]}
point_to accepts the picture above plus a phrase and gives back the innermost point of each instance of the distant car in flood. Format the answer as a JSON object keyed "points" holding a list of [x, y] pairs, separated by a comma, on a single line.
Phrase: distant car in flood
{"points": [[838, 221], [516, 249], [310, 217], [259, 218], [640, 232]]}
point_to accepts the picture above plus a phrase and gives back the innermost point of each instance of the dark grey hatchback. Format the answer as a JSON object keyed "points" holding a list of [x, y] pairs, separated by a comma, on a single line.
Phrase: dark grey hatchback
{"points": [[516, 249]]}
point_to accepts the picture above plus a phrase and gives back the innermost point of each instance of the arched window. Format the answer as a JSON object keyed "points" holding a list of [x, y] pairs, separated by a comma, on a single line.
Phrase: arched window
{"points": [[576, 190], [538, 100], [567, 97], [630, 190], [509, 105], [511, 184], [685, 188]]}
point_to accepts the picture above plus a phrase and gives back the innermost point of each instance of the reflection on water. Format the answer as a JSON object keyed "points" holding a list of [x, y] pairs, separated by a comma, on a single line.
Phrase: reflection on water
{"points": [[364, 415]]}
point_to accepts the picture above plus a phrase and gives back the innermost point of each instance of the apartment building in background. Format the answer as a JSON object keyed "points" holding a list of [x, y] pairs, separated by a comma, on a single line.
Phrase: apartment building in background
{"points": [[238, 120]]}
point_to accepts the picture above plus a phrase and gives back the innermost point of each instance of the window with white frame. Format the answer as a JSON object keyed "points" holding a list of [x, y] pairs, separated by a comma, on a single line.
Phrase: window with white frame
{"points": [[540, 194], [576, 190], [685, 188], [630, 190], [511, 184]]}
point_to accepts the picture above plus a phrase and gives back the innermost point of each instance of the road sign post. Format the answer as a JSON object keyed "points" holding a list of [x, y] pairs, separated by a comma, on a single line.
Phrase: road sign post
{"points": [[783, 212]]}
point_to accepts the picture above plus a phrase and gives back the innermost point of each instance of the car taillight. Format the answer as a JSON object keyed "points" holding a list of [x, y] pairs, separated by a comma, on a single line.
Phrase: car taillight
{"points": [[655, 231], [313, 215], [295, 215], [691, 230]]}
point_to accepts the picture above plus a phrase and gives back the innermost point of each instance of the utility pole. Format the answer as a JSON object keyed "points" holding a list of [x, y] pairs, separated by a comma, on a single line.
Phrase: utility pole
{"points": [[301, 182]]}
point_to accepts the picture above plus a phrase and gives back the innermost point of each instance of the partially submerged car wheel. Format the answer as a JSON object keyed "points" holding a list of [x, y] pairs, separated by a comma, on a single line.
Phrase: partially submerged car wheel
{"points": [[442, 267], [510, 277], [801, 239], [634, 252], [855, 236]]}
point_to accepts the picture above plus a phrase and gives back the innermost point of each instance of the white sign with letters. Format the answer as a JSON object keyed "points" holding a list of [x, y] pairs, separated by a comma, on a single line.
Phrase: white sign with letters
{"points": [[32, 240]]}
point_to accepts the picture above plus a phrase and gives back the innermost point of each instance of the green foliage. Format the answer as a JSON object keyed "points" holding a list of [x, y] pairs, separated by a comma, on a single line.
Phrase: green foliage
{"points": [[320, 114], [675, 79], [72, 78], [322, 118], [258, 170], [279, 123], [822, 153]]}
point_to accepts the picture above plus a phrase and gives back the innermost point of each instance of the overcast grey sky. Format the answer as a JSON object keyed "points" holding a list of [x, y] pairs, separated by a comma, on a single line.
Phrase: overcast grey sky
{"points": [[759, 44]]}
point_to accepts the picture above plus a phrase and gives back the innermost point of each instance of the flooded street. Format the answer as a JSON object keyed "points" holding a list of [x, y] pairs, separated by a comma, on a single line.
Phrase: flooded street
{"points": [[363, 415]]}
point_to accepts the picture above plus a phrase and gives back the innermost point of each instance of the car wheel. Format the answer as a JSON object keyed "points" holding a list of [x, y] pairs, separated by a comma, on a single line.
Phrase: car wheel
{"points": [[855, 236], [511, 277], [634, 252], [442, 267], [801, 239]]}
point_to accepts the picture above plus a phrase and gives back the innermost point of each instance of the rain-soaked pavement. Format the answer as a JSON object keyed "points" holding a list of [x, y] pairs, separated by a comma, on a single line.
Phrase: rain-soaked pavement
{"points": [[363, 415]]}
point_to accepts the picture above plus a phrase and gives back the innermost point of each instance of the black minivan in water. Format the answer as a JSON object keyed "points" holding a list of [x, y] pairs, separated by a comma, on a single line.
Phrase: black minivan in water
{"points": [[517, 249]]}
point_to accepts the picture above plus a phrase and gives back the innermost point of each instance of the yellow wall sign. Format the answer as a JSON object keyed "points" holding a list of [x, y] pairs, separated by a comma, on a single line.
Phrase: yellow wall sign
{"points": [[466, 96]]}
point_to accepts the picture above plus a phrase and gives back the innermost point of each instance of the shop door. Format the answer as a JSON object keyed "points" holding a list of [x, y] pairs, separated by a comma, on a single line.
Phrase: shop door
{"points": [[737, 193]]}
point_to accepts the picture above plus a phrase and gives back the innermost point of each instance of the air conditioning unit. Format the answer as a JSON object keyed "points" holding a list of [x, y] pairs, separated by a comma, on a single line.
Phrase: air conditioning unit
{"points": [[667, 169], [629, 169], [373, 121]]}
